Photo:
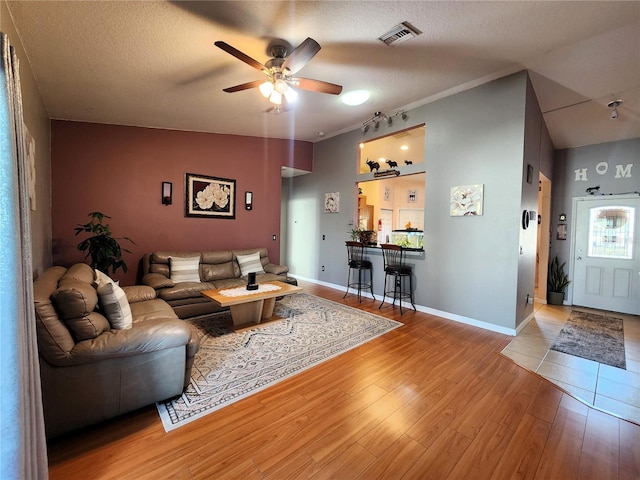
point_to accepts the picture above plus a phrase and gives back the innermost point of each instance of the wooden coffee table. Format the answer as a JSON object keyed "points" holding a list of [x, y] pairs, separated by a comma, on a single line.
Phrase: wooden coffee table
{"points": [[254, 307]]}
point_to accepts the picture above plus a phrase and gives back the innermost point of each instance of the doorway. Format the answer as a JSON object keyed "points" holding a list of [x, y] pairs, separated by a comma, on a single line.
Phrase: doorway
{"points": [[544, 238], [604, 254]]}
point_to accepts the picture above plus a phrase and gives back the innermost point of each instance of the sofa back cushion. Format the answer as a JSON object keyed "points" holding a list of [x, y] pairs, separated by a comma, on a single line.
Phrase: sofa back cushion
{"points": [[54, 338], [75, 301], [218, 265]]}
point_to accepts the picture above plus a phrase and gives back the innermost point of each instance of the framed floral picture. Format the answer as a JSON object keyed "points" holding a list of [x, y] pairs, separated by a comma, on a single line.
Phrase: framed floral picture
{"points": [[332, 202], [211, 197], [466, 200]]}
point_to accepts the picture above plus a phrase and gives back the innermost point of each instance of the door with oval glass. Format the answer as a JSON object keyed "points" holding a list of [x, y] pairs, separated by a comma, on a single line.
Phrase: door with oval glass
{"points": [[606, 260]]}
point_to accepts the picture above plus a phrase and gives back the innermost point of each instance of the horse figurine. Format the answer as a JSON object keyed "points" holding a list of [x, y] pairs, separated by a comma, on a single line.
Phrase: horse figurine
{"points": [[392, 164]]}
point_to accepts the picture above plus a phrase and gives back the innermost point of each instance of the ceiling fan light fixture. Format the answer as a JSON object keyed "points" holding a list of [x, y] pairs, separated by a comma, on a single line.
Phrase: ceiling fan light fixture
{"points": [[291, 95], [266, 89], [281, 86], [276, 98]]}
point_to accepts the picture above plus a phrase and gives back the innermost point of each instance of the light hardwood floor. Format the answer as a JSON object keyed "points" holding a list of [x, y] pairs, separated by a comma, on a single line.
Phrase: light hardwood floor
{"points": [[432, 399]]}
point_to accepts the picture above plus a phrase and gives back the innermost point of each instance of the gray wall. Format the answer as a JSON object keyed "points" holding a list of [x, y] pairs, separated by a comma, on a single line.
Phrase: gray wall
{"points": [[539, 154], [471, 265], [36, 119], [595, 165]]}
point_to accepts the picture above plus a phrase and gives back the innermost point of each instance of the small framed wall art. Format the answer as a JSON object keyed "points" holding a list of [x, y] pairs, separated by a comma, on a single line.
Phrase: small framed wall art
{"points": [[332, 202], [211, 197], [466, 200]]}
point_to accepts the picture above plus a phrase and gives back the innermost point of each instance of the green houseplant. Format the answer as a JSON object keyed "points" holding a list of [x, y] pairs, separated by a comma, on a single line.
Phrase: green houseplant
{"points": [[557, 281], [104, 250]]}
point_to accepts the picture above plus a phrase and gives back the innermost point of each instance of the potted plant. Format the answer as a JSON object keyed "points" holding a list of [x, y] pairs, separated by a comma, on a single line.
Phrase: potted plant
{"points": [[104, 250], [557, 281], [356, 234]]}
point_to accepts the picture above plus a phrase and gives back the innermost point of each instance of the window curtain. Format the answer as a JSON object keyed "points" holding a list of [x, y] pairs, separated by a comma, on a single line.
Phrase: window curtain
{"points": [[22, 436]]}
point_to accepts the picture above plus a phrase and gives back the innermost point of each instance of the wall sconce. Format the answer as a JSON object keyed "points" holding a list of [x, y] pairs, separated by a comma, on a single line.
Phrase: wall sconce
{"points": [[248, 200], [167, 194]]}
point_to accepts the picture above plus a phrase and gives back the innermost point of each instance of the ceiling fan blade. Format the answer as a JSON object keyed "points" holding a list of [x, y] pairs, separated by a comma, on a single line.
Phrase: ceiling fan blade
{"points": [[317, 86], [239, 55], [301, 55], [244, 86]]}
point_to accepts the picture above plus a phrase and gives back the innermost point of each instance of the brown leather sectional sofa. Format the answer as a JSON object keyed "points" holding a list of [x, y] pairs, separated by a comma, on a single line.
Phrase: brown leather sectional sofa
{"points": [[217, 269], [90, 371]]}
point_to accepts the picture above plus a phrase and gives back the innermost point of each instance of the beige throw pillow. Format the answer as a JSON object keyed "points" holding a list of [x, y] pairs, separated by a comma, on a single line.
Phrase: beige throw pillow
{"points": [[185, 269], [250, 263], [113, 302]]}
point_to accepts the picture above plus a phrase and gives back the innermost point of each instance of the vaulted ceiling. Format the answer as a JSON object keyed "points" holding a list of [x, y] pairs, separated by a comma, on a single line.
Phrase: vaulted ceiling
{"points": [[154, 64]]}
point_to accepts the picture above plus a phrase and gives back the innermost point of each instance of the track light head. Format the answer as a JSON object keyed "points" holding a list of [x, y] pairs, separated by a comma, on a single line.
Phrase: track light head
{"points": [[376, 124], [365, 129], [405, 116], [614, 106]]}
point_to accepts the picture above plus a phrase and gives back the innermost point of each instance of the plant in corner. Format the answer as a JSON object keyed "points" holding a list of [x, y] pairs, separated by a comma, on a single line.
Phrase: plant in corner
{"points": [[557, 281], [104, 250]]}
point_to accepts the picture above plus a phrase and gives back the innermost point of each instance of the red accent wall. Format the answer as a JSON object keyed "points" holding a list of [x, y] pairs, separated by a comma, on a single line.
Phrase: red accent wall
{"points": [[118, 171]]}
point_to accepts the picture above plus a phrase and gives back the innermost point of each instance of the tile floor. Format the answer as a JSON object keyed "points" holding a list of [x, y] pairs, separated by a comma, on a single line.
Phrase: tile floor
{"points": [[610, 389]]}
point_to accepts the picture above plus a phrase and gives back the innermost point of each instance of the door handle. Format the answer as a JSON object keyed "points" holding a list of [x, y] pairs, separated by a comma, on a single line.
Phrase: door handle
{"points": [[579, 258]]}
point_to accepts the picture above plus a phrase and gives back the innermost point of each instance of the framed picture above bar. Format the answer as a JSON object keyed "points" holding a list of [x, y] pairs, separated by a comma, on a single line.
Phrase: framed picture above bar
{"points": [[211, 197]]}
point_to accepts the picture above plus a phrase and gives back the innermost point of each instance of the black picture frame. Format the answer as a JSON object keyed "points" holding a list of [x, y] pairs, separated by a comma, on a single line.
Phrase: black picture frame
{"points": [[529, 174], [210, 197]]}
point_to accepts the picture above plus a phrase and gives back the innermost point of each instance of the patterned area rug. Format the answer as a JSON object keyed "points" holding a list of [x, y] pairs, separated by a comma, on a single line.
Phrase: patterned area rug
{"points": [[233, 365], [594, 337]]}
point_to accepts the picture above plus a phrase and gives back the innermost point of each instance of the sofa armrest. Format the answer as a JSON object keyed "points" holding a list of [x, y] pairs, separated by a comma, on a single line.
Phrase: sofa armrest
{"points": [[276, 269], [139, 293], [151, 336], [157, 280]]}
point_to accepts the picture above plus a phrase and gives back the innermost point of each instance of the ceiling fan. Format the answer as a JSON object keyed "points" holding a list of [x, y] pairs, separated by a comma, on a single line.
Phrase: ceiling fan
{"points": [[279, 71]]}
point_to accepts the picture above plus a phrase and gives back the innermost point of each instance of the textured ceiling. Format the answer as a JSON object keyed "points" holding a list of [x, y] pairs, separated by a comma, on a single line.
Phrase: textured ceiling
{"points": [[154, 64]]}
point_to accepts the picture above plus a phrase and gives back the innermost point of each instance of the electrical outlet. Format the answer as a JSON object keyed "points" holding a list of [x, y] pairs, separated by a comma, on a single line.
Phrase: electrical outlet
{"points": [[323, 268], [323, 237]]}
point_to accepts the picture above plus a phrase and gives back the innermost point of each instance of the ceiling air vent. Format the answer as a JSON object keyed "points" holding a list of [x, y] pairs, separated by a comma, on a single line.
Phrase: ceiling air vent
{"points": [[399, 34]]}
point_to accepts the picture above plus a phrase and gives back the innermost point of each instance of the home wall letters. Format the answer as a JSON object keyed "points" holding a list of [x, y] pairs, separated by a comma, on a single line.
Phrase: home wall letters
{"points": [[622, 171]]}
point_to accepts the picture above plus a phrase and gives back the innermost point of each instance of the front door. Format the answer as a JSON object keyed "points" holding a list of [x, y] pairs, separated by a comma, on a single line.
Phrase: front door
{"points": [[606, 260]]}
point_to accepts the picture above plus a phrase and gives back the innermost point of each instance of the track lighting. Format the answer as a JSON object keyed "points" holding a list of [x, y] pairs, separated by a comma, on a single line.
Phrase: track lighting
{"points": [[379, 117], [614, 106]]}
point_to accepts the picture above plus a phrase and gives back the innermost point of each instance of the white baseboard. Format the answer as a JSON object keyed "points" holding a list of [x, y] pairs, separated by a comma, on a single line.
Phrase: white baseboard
{"points": [[432, 311]]}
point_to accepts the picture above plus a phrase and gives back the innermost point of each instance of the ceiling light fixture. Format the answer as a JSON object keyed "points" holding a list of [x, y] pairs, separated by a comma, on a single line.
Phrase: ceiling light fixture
{"points": [[614, 106], [379, 117], [354, 98], [275, 90]]}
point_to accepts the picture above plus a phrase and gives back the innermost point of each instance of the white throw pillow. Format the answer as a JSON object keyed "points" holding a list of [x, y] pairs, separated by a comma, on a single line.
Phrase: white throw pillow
{"points": [[185, 269], [250, 263], [114, 302]]}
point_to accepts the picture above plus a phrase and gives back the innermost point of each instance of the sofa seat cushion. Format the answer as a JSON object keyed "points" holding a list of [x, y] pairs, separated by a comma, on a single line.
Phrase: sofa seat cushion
{"points": [[151, 310], [230, 282], [184, 290], [270, 277]]}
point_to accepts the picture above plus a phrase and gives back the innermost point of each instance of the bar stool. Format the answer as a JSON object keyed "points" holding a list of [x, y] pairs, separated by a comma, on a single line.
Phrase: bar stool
{"points": [[355, 252], [395, 267]]}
